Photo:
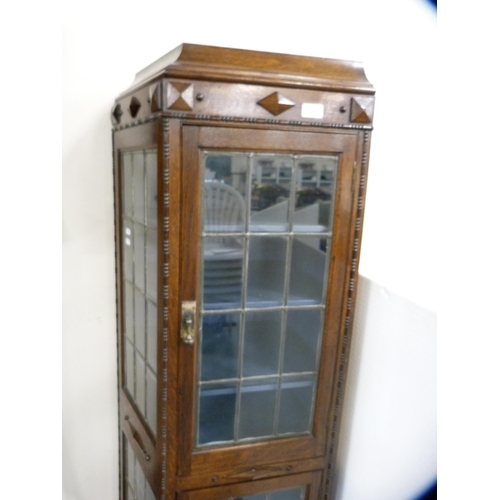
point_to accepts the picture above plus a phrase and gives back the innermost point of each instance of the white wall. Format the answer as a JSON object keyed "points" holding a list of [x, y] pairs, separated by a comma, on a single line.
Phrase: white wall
{"points": [[395, 40]]}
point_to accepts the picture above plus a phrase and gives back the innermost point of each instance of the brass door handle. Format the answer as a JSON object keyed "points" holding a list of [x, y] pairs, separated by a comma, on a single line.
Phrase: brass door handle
{"points": [[188, 311]]}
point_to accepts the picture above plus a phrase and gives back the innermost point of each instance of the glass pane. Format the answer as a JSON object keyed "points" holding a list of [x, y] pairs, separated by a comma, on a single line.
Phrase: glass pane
{"points": [[129, 311], [295, 404], [140, 479], [138, 167], [271, 177], [139, 255], [130, 494], [258, 400], [220, 346], [222, 272], [301, 345], [152, 335], [291, 494], [129, 367], [140, 383], [151, 263], [315, 189], [149, 492], [127, 183], [151, 399], [225, 192], [266, 271], [130, 468], [128, 252], [217, 409], [262, 343], [151, 189], [140, 322], [308, 271]]}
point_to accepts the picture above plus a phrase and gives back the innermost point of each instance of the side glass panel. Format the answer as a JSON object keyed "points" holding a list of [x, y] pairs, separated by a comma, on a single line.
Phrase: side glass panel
{"points": [[139, 279], [289, 494], [266, 232], [136, 485]]}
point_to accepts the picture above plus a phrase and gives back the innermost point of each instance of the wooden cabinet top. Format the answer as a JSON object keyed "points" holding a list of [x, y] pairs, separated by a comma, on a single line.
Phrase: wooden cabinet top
{"points": [[199, 62]]}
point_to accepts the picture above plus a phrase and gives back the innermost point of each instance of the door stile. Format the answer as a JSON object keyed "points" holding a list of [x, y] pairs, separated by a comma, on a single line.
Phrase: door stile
{"points": [[350, 287], [189, 256], [338, 272], [171, 178]]}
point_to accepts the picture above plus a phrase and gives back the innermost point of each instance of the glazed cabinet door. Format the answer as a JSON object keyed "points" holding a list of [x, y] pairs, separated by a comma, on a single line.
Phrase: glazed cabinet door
{"points": [[298, 487], [266, 218]]}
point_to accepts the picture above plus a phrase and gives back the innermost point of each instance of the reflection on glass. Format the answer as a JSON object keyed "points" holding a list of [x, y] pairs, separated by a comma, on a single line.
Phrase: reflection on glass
{"points": [[219, 346], [315, 189], [262, 343], [259, 496], [308, 271], [128, 251], [256, 414], [222, 272], [225, 193], [303, 328], [266, 271], [271, 178], [291, 494], [217, 405], [296, 404]]}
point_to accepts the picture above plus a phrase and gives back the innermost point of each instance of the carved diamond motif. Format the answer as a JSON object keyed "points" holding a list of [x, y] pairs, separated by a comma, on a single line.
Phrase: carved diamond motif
{"points": [[180, 96], [276, 103], [134, 106], [117, 113], [362, 109]]}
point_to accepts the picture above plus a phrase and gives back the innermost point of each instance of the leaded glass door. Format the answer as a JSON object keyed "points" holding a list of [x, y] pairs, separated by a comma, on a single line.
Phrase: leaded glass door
{"points": [[270, 213]]}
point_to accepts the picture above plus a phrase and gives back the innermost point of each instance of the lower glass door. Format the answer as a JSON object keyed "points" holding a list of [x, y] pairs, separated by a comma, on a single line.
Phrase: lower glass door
{"points": [[296, 487]]}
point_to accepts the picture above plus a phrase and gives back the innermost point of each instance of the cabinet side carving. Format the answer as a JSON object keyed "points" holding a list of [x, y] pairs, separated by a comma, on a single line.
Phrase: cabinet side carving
{"points": [[330, 472], [166, 264]]}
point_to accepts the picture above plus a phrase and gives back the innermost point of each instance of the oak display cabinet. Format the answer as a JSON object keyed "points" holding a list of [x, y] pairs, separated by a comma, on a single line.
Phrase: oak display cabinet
{"points": [[239, 190]]}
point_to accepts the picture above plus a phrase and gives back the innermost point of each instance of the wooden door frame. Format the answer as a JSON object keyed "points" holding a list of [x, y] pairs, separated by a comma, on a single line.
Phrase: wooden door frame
{"points": [[291, 139]]}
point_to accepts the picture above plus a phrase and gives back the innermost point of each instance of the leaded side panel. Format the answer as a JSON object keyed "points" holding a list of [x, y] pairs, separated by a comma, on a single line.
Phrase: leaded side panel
{"points": [[139, 235]]}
